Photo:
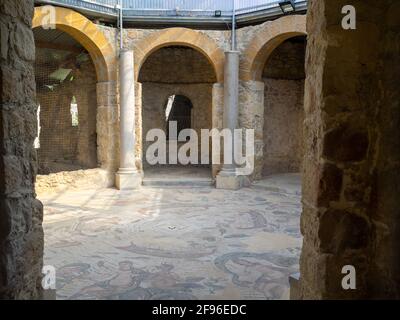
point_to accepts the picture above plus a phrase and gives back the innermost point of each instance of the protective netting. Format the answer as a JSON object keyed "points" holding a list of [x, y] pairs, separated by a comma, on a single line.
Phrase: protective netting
{"points": [[66, 96]]}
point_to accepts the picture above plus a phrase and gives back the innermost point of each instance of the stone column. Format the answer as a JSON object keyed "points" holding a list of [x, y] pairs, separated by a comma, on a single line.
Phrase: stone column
{"points": [[228, 178], [128, 176]]}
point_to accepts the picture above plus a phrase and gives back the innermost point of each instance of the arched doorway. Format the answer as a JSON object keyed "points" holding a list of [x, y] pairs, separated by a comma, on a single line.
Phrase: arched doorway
{"points": [[283, 75], [86, 38], [253, 74], [178, 110], [273, 74], [177, 87], [66, 93], [82, 30]]}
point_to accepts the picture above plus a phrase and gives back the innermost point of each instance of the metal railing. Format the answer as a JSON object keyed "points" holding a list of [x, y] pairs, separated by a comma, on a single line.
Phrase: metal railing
{"points": [[107, 7], [176, 8]]}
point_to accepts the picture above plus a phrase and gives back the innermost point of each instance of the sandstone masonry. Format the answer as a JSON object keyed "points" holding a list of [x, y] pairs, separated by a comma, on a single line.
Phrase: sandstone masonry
{"points": [[21, 234]]}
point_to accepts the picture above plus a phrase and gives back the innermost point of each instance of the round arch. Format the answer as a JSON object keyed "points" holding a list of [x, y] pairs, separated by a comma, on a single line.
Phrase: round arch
{"points": [[181, 37], [85, 32], [266, 41], [179, 92]]}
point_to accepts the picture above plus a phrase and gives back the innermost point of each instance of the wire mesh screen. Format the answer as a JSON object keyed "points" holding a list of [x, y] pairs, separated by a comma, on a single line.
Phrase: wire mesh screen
{"points": [[66, 97]]}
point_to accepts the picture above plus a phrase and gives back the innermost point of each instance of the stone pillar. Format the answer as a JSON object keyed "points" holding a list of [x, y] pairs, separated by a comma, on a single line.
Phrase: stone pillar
{"points": [[139, 128], [21, 215], [351, 161], [128, 176], [228, 178], [251, 116], [217, 116], [107, 129]]}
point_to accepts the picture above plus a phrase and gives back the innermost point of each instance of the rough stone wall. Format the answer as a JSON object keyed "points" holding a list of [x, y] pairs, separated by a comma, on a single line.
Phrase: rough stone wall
{"points": [[133, 36], [385, 271], [221, 37], [58, 138], [67, 181], [283, 76], [177, 65], [283, 120], [64, 147], [21, 234], [351, 163], [287, 60]]}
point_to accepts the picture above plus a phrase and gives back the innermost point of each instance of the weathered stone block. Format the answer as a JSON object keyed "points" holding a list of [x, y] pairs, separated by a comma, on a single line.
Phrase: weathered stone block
{"points": [[346, 144], [340, 230], [330, 184]]}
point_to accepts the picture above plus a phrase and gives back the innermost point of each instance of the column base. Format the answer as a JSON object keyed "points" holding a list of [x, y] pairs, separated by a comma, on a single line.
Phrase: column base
{"points": [[128, 180], [229, 181]]}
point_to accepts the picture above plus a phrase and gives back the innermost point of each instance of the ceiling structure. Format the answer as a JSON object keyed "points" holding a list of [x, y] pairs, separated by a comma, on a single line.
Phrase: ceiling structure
{"points": [[194, 13]]}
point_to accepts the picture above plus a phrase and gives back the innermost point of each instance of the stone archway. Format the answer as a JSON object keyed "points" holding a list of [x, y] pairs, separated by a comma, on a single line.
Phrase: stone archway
{"points": [[266, 41], [103, 55], [86, 33], [257, 52], [181, 37], [191, 39]]}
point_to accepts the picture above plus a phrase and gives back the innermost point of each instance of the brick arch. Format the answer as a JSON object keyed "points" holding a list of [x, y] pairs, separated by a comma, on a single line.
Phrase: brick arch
{"points": [[182, 37], [266, 41], [86, 33]]}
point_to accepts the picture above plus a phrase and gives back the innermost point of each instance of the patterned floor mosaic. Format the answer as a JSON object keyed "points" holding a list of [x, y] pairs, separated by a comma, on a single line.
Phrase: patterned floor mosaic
{"points": [[192, 243]]}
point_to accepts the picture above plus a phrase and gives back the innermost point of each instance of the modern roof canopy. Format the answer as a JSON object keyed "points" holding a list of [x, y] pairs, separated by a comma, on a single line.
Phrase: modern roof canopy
{"points": [[179, 12]]}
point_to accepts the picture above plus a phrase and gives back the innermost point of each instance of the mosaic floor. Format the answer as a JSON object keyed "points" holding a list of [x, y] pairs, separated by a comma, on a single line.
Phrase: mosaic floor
{"points": [[192, 243]]}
